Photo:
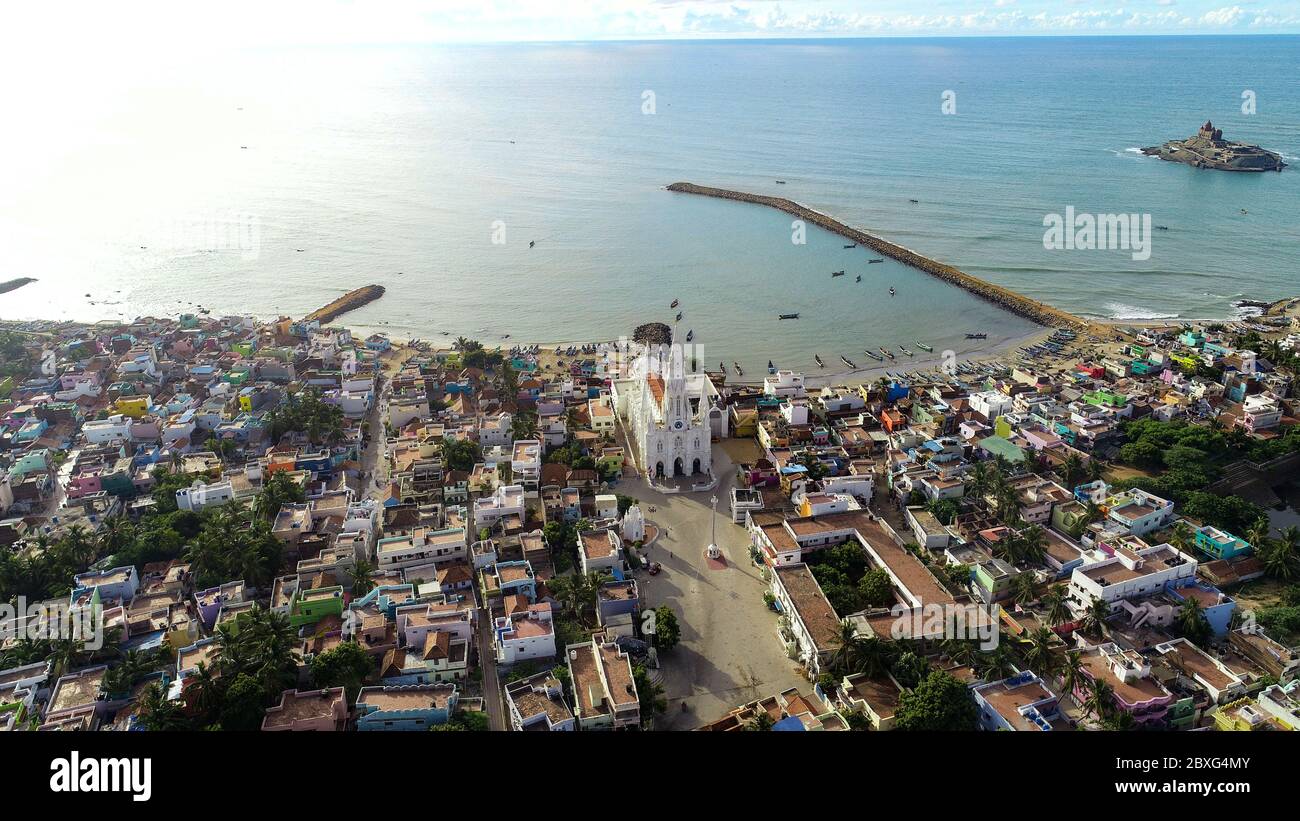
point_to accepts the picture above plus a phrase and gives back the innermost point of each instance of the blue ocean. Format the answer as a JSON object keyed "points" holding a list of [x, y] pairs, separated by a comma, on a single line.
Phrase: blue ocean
{"points": [[519, 189]]}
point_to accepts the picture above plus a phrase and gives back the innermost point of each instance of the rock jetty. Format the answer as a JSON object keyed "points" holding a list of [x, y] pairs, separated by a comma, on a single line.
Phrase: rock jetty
{"points": [[14, 284], [1208, 149], [350, 301], [1016, 303]]}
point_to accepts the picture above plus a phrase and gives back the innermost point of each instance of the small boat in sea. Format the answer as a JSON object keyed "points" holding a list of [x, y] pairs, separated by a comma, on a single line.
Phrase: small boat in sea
{"points": [[905, 350], [913, 200], [837, 274], [891, 290], [531, 243], [819, 361], [847, 361], [977, 336], [674, 305], [679, 316], [690, 334], [787, 316], [854, 245], [874, 261], [859, 278], [770, 367], [885, 352], [874, 356], [1162, 227], [723, 366], [780, 182], [923, 346], [505, 336], [739, 372]]}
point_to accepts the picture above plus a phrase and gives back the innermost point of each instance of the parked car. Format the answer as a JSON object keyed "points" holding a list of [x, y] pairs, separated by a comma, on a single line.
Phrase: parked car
{"points": [[654, 568]]}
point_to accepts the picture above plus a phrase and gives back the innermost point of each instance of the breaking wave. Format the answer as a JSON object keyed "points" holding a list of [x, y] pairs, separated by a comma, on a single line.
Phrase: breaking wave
{"points": [[1118, 310]]}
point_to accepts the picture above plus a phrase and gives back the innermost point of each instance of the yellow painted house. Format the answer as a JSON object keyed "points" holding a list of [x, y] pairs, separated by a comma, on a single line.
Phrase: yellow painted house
{"points": [[136, 407]]}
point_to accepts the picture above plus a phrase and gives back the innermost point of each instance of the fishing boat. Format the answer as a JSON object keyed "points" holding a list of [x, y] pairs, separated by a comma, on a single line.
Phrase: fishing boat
{"points": [[847, 361], [891, 290], [674, 305], [780, 182], [690, 334], [770, 367], [977, 336], [837, 273], [913, 200], [874, 261], [886, 353], [859, 278], [905, 350], [874, 356], [787, 316], [923, 346], [679, 316], [723, 366], [739, 372], [819, 361], [854, 245]]}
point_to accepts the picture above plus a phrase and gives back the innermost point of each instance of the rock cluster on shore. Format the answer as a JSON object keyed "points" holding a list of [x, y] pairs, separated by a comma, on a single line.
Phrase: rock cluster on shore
{"points": [[652, 333], [1010, 300]]}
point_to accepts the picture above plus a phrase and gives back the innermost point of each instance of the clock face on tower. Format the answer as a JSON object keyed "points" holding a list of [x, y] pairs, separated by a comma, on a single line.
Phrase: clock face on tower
{"points": [[679, 424]]}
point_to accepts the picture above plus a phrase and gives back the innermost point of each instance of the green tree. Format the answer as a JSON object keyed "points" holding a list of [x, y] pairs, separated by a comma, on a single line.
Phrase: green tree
{"points": [[347, 665], [667, 631], [939, 702]]}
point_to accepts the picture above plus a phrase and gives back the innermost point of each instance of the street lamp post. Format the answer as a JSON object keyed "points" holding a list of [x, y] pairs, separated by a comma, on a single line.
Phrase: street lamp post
{"points": [[713, 550]]}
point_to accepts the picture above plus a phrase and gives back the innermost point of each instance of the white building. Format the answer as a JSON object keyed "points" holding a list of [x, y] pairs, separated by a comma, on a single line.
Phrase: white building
{"points": [[198, 496], [506, 500], [785, 383], [1260, 412], [672, 416], [1133, 571], [526, 463], [990, 404], [525, 635], [116, 428]]}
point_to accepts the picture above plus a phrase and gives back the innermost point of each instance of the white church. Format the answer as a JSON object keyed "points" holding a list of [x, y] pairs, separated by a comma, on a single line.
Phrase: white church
{"points": [[671, 415]]}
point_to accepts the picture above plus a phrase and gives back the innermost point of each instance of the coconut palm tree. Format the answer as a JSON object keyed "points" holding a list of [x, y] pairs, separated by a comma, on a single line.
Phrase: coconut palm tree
{"points": [[1071, 666], [1094, 620], [1054, 603], [158, 713], [1100, 700], [1024, 588], [996, 664], [1281, 557], [1038, 651], [1182, 537], [847, 643], [1072, 469], [1033, 545], [1192, 621], [362, 576]]}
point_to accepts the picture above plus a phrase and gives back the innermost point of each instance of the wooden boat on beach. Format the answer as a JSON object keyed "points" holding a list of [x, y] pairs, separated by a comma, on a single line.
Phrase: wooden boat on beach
{"points": [[739, 372], [874, 356], [847, 361], [905, 350], [723, 366], [923, 346], [885, 352], [819, 361]]}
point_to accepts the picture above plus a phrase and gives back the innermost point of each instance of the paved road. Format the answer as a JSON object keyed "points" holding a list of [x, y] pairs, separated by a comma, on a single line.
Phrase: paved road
{"points": [[729, 653]]}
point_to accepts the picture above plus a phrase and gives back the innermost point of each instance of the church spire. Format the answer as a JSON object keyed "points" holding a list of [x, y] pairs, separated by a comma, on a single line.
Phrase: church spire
{"points": [[675, 405]]}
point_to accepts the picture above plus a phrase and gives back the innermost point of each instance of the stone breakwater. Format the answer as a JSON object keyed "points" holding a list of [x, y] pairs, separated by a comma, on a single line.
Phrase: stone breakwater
{"points": [[350, 301], [1004, 297]]}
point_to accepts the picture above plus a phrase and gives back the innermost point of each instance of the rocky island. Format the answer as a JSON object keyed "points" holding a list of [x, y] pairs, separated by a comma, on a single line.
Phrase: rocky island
{"points": [[1208, 149]]}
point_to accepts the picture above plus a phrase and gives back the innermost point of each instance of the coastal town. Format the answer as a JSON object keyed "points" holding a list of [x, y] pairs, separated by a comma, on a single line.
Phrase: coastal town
{"points": [[223, 522]]}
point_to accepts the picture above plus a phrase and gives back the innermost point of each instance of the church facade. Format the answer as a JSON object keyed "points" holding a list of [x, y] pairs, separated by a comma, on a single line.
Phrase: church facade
{"points": [[671, 416]]}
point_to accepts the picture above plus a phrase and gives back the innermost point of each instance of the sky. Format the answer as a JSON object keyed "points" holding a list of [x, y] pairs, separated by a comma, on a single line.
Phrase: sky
{"points": [[158, 25]]}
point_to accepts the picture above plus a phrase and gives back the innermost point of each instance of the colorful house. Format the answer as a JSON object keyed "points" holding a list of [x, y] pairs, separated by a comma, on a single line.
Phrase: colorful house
{"points": [[1220, 544]]}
